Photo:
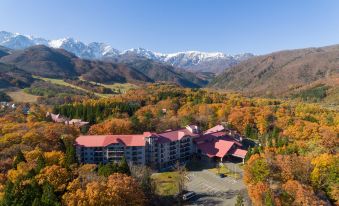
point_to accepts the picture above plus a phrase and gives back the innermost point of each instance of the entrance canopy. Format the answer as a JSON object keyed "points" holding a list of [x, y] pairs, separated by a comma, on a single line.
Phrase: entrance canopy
{"points": [[239, 153]]}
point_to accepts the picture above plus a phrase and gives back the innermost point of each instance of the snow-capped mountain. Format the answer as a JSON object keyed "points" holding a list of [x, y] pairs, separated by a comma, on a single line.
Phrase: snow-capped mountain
{"points": [[19, 41], [190, 60], [93, 50], [194, 59], [214, 62]]}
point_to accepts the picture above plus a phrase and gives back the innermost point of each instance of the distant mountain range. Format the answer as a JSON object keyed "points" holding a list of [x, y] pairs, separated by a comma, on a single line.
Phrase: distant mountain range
{"points": [[300, 72], [214, 62], [49, 62]]}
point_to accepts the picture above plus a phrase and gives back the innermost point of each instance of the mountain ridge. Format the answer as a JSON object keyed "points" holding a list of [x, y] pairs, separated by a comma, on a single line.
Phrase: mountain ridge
{"points": [[280, 73], [49, 62], [190, 60]]}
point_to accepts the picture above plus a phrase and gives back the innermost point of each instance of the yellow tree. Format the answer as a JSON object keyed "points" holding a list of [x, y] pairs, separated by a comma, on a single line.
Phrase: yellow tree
{"points": [[262, 119], [21, 172], [54, 158], [112, 126], [117, 190], [256, 170], [241, 117], [55, 176], [325, 173]]}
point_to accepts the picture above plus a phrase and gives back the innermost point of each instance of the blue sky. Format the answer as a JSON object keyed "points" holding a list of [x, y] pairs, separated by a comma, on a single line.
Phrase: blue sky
{"points": [[258, 26]]}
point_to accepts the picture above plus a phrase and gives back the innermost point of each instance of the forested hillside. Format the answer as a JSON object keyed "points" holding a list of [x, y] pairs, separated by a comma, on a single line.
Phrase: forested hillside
{"points": [[296, 163], [4, 51], [57, 63], [11, 76], [281, 73]]}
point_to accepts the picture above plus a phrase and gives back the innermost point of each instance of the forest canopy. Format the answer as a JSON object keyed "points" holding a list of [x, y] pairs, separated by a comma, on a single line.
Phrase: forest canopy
{"points": [[295, 162]]}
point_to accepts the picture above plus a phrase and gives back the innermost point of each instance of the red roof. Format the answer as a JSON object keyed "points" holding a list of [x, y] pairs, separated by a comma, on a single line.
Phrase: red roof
{"points": [[217, 148], [209, 137], [216, 136], [105, 140], [174, 135], [239, 153], [132, 140], [217, 128]]}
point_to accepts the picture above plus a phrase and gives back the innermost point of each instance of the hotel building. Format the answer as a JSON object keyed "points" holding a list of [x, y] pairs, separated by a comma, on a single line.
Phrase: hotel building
{"points": [[159, 150]]}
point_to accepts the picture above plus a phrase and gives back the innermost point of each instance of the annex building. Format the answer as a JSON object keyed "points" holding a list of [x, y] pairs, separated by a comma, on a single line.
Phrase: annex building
{"points": [[161, 150]]}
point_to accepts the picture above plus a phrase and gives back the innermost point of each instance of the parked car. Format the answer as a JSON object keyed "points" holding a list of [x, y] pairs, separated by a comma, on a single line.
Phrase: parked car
{"points": [[188, 195]]}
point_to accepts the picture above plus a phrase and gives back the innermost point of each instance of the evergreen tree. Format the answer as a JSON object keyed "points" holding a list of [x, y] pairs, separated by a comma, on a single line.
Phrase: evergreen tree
{"points": [[248, 154], [248, 131], [270, 143], [98, 113], [19, 158], [255, 150], [37, 202], [31, 173], [254, 133], [275, 132], [240, 200], [107, 169], [276, 141], [41, 163], [77, 111], [269, 199], [69, 152], [135, 123], [27, 193], [8, 197], [123, 167], [48, 197], [148, 116]]}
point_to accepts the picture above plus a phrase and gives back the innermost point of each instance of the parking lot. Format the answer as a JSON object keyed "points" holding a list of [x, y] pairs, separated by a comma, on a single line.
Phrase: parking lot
{"points": [[214, 190]]}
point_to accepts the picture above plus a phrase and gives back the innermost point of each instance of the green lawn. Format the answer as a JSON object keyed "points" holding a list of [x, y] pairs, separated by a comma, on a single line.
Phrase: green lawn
{"points": [[166, 183], [224, 170]]}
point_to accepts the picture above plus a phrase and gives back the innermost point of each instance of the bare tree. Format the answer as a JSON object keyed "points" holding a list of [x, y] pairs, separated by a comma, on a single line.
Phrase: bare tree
{"points": [[143, 176], [181, 180], [218, 166]]}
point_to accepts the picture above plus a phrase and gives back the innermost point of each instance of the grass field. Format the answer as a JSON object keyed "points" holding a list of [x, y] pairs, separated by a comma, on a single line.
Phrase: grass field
{"points": [[123, 88], [224, 170], [166, 183], [115, 87], [21, 96], [60, 82]]}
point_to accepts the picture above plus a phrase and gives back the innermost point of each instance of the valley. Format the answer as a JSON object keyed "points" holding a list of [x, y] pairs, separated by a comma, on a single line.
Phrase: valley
{"points": [[191, 60], [154, 127]]}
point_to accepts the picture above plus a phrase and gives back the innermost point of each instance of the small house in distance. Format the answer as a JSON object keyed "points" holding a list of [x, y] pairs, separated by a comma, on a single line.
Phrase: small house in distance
{"points": [[60, 119]]}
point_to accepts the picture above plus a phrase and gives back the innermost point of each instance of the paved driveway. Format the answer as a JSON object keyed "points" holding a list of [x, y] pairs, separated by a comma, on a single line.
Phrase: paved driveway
{"points": [[213, 190]]}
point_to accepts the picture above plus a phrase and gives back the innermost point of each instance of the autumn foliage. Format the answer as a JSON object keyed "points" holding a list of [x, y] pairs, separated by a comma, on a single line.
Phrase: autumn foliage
{"points": [[295, 160], [118, 190]]}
